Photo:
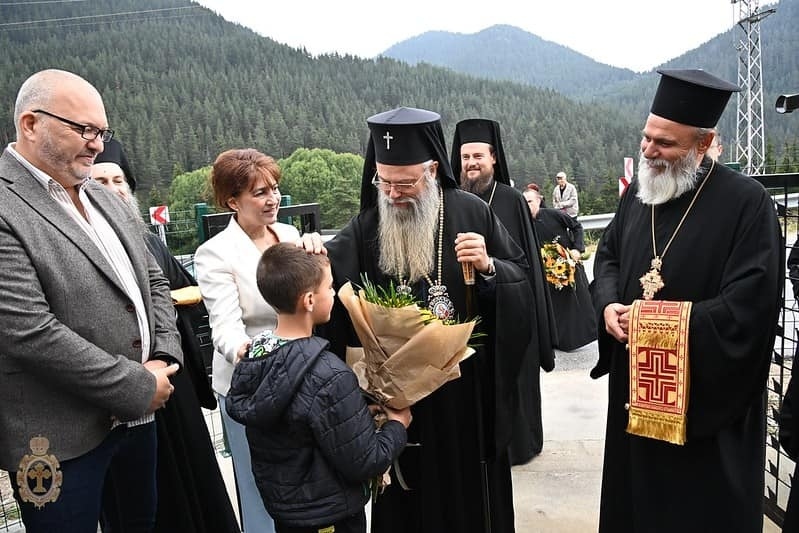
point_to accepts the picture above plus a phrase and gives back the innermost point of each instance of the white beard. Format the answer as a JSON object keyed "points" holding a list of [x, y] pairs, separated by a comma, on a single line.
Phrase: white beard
{"points": [[407, 236], [133, 203], [674, 180]]}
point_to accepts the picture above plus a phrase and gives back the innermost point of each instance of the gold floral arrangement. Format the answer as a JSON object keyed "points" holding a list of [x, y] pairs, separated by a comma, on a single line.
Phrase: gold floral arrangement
{"points": [[559, 266]]}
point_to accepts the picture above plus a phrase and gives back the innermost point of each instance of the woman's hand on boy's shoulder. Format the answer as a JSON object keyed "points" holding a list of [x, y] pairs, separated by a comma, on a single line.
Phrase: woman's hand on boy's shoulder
{"points": [[311, 243]]}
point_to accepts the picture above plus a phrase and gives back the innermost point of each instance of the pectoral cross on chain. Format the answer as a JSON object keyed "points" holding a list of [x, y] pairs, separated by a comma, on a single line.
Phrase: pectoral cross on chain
{"points": [[652, 281], [388, 138]]}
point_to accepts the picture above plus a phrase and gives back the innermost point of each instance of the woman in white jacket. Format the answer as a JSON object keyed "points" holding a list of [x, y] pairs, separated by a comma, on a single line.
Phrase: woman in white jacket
{"points": [[245, 181]]}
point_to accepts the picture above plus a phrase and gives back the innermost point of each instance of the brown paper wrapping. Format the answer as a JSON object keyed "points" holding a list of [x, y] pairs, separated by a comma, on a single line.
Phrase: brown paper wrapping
{"points": [[402, 359]]}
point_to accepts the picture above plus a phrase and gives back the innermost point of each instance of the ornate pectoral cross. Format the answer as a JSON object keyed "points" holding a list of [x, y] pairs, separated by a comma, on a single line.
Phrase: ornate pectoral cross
{"points": [[39, 473], [652, 281]]}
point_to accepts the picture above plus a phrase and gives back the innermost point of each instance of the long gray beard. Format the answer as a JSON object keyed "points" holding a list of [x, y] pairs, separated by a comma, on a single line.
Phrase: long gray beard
{"points": [[408, 236], [477, 185], [133, 203], [672, 182]]}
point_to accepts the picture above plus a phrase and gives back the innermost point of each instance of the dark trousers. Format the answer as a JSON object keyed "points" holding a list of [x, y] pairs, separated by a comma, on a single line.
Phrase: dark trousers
{"points": [[127, 458], [352, 524]]}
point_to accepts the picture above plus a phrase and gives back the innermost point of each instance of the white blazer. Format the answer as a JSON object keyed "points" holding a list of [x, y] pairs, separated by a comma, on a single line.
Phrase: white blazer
{"points": [[225, 266]]}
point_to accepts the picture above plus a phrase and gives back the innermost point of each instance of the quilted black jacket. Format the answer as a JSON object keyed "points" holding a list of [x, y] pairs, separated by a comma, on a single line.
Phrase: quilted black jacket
{"points": [[312, 440]]}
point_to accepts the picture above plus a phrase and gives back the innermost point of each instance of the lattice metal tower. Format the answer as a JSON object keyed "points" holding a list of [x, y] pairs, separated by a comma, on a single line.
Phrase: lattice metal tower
{"points": [[750, 150]]}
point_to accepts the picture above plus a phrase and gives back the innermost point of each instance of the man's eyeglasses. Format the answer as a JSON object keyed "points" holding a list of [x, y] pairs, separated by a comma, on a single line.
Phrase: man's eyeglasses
{"points": [[400, 187], [87, 132]]}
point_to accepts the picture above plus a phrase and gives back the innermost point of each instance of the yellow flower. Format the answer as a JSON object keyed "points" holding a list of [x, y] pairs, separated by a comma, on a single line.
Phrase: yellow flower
{"points": [[558, 265]]}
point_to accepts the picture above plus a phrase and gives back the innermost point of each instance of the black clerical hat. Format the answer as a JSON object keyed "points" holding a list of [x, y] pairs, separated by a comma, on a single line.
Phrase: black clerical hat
{"points": [[113, 153], [479, 130], [400, 135], [692, 96], [404, 136]]}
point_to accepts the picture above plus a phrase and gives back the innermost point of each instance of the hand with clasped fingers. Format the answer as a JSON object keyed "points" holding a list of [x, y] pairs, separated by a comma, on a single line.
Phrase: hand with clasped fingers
{"points": [[617, 321]]}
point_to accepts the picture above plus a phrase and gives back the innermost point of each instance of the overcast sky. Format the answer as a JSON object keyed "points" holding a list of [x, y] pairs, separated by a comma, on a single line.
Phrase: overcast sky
{"points": [[634, 34]]}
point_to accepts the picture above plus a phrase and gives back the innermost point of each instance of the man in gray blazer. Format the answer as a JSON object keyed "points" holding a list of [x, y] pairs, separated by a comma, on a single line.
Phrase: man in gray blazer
{"points": [[89, 328]]}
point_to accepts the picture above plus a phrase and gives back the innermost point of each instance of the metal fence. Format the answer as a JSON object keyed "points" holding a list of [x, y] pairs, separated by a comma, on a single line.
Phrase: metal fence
{"points": [[779, 467]]}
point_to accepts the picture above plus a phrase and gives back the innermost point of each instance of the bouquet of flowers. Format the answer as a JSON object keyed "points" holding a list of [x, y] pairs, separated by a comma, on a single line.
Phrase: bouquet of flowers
{"points": [[558, 264], [407, 352]]}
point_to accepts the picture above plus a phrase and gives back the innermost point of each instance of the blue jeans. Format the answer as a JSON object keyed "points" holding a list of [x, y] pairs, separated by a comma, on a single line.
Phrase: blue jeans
{"points": [[126, 459], [254, 517]]}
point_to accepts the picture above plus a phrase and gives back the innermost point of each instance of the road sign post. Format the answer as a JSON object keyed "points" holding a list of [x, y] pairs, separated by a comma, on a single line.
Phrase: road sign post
{"points": [[159, 217]]}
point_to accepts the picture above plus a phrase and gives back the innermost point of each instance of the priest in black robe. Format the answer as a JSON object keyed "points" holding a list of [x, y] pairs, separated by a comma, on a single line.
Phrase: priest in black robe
{"points": [[414, 229], [192, 496], [716, 236], [479, 164], [574, 311]]}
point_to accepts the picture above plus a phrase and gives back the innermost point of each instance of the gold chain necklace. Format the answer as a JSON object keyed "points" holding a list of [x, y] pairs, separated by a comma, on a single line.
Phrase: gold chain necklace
{"points": [[652, 281]]}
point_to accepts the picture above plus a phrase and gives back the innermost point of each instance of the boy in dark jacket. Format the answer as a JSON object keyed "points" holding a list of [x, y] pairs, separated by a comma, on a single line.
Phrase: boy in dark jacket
{"points": [[312, 437]]}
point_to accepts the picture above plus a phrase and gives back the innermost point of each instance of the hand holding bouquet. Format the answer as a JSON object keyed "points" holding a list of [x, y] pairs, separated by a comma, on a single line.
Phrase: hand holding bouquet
{"points": [[407, 353]]}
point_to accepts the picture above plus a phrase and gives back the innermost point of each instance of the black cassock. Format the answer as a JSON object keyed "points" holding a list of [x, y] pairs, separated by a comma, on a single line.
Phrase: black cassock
{"points": [[728, 260], [192, 497], [444, 471], [528, 435], [574, 312]]}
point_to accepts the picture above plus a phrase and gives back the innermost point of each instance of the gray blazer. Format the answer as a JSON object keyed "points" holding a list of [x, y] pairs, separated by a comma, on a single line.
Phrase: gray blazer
{"points": [[70, 355]]}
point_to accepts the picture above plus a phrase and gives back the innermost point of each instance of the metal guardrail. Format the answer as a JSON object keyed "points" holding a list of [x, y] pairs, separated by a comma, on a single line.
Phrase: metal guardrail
{"points": [[600, 222], [594, 222]]}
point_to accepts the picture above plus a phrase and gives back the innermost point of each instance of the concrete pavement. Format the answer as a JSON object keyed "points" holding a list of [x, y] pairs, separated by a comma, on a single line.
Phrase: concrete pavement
{"points": [[558, 491]]}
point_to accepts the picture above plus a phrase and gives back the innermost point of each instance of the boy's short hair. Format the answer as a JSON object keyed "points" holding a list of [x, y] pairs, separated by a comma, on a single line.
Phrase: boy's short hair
{"points": [[285, 272]]}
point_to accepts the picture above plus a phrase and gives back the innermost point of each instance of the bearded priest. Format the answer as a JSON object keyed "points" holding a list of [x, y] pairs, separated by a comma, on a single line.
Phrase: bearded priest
{"points": [[479, 164], [687, 282], [415, 229]]}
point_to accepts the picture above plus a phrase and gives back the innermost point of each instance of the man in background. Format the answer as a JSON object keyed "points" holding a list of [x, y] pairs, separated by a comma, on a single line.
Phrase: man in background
{"points": [[564, 196], [478, 162], [89, 329], [192, 497], [573, 311]]}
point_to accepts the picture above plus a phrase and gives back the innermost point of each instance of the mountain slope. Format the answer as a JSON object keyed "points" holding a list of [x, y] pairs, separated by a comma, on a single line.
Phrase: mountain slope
{"points": [[180, 89], [505, 52], [508, 53]]}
